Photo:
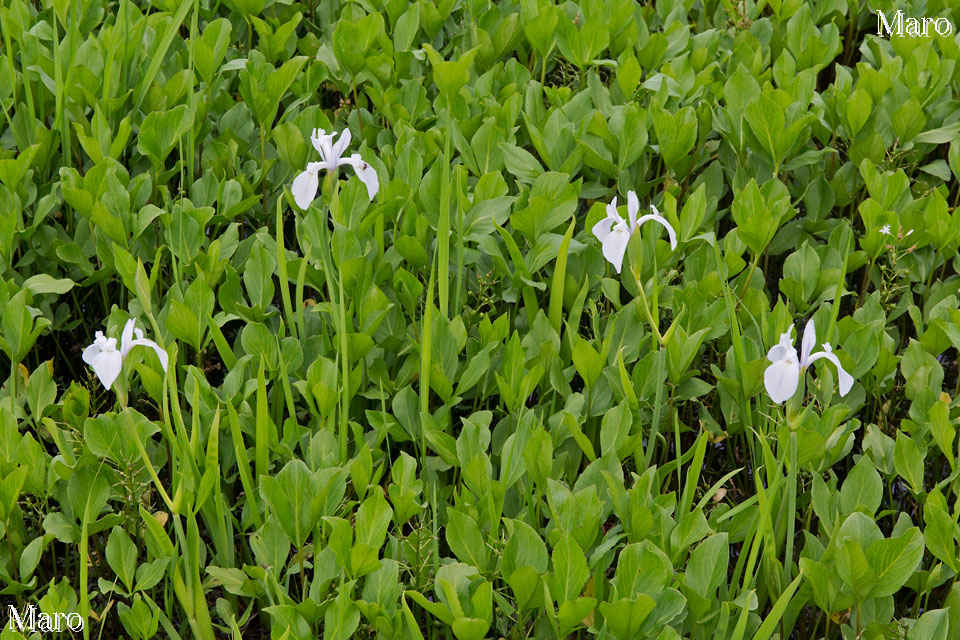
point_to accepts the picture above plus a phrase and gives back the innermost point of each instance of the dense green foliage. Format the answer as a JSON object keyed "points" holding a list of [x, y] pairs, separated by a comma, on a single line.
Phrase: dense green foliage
{"points": [[440, 412]]}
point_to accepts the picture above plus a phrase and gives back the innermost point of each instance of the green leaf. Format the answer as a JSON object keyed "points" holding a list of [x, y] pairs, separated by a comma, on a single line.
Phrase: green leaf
{"points": [[855, 571], [894, 560], [293, 495], [43, 283], [161, 131], [939, 535], [122, 557], [676, 133], [569, 568], [908, 461], [862, 489], [521, 163], [707, 567], [373, 519], [943, 430], [626, 616], [450, 75]]}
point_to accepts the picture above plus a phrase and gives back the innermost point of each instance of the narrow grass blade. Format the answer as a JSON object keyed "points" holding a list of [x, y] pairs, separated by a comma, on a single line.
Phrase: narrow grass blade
{"points": [[776, 613], [263, 427], [243, 464], [559, 276]]}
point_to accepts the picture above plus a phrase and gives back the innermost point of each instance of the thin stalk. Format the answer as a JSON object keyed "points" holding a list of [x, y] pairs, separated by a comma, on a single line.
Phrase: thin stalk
{"points": [[655, 425], [461, 177], [342, 330], [443, 224], [263, 170], [13, 385], [746, 283], [284, 278], [340, 317], [791, 509], [301, 278], [345, 373], [192, 137]]}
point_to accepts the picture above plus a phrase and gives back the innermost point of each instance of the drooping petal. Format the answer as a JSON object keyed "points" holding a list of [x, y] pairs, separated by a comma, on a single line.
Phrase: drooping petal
{"points": [[144, 342], [365, 172], [781, 379], [633, 208], [603, 228], [658, 218], [809, 342], [106, 365], [615, 245], [340, 146], [844, 379], [305, 185], [100, 344], [128, 342], [90, 353]]}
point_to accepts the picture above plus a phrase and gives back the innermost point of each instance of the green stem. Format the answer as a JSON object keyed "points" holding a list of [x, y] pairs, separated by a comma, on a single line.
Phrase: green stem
{"points": [[443, 224], [746, 283], [791, 509], [655, 426]]}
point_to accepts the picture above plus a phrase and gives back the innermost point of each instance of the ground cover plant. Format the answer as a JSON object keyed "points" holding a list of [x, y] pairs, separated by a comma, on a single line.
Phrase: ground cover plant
{"points": [[626, 320]]}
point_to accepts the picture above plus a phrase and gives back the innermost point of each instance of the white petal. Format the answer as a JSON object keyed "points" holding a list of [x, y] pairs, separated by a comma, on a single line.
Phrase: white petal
{"points": [[143, 342], [90, 353], [603, 228], [809, 341], [780, 352], [845, 379], [304, 187], [784, 348], [126, 338], [612, 213], [633, 208], [615, 245], [658, 218], [323, 143], [341, 145], [365, 172], [781, 379], [107, 366]]}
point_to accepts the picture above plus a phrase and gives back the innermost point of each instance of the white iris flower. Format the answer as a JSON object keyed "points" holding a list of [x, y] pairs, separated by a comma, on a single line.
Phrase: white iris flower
{"points": [[782, 377], [107, 361], [305, 185], [614, 232]]}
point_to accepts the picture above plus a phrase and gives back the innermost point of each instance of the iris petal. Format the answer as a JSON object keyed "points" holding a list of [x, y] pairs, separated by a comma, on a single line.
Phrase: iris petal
{"points": [[106, 365], [365, 172], [633, 208], [781, 379], [305, 187], [615, 246], [658, 218], [844, 379], [809, 341]]}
